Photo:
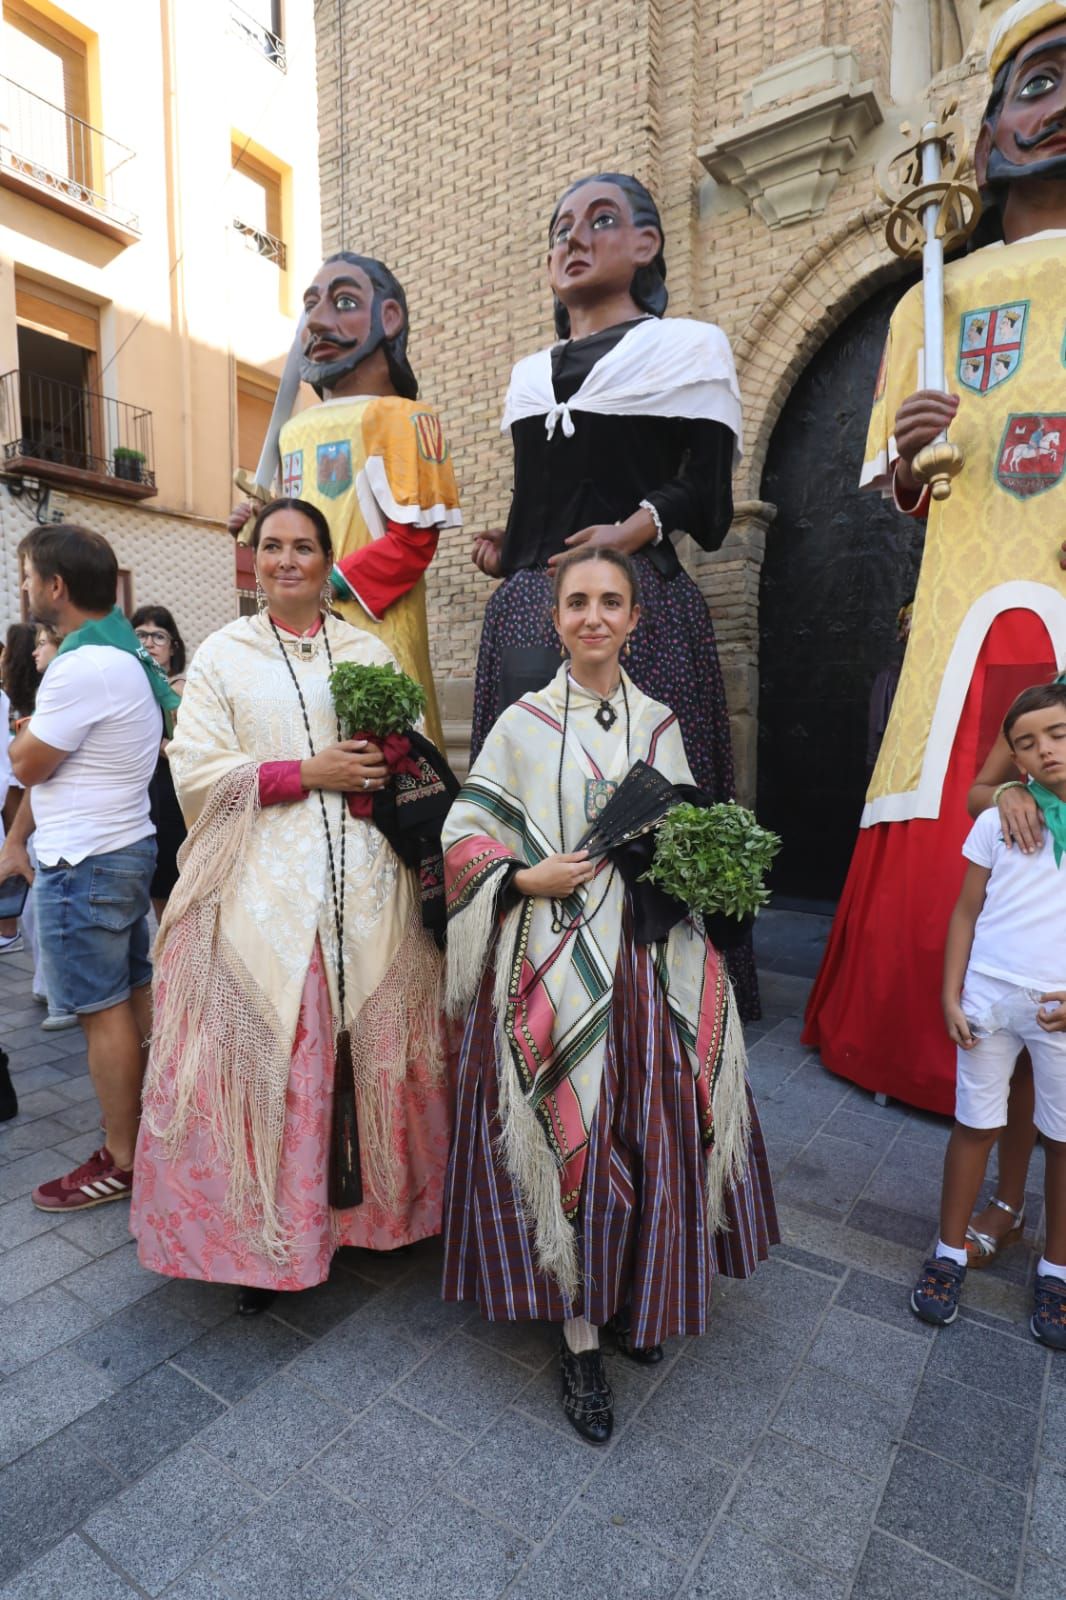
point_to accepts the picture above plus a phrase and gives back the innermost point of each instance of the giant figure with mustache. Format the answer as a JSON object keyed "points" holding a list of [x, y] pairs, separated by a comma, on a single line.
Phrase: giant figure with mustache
{"points": [[990, 609], [372, 457]]}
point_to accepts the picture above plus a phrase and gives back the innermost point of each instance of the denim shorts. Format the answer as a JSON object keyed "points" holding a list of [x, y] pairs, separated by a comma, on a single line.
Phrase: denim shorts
{"points": [[92, 922]]}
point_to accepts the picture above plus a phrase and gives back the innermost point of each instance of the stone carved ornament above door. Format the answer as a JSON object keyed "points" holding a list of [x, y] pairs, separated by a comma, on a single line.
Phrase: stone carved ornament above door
{"points": [[806, 118]]}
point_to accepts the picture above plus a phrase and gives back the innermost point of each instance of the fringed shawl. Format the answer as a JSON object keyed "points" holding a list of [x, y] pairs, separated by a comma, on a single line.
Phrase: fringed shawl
{"points": [[553, 989], [253, 896]]}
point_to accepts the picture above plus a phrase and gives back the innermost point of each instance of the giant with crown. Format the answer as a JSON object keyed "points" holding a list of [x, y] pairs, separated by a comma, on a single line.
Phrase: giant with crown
{"points": [[990, 609]]}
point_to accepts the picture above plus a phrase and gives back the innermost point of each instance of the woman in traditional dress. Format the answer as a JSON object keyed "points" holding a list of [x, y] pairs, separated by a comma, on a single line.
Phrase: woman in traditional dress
{"points": [[607, 1158], [624, 433], [158, 632], [286, 905]]}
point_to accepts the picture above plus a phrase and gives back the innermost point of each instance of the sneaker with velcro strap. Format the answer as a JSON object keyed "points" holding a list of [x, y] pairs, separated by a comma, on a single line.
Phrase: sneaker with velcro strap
{"points": [[94, 1183], [935, 1297], [1048, 1321]]}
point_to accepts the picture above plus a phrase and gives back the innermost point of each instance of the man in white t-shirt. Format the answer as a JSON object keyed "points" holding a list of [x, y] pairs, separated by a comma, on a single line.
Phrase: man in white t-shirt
{"points": [[88, 753]]}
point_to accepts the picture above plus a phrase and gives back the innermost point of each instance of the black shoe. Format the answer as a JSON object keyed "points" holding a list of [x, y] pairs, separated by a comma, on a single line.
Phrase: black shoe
{"points": [[587, 1398], [648, 1356], [9, 1104], [250, 1302]]}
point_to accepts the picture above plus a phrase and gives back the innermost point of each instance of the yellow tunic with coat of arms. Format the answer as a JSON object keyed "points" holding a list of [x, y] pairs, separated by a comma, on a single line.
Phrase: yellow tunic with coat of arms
{"points": [[366, 461], [993, 546]]}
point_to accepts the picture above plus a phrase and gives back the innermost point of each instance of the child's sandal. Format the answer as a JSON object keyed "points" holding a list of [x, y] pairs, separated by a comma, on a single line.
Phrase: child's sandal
{"points": [[983, 1248]]}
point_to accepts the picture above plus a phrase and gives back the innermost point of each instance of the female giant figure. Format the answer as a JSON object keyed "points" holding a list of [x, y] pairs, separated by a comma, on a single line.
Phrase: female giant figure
{"points": [[624, 433], [282, 889]]}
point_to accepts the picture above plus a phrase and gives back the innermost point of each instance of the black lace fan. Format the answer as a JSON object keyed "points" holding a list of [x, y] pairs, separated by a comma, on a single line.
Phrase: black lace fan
{"points": [[641, 800]]}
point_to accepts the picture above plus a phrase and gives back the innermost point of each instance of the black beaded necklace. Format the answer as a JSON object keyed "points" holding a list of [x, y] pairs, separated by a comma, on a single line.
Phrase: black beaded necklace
{"points": [[345, 1176], [559, 923]]}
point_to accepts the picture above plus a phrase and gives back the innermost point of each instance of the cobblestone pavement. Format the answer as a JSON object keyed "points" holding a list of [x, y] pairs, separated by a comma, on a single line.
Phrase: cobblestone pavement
{"points": [[366, 1442]]}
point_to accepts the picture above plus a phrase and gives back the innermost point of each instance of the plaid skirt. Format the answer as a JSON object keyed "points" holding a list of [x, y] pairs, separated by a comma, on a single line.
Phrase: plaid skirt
{"points": [[673, 658], [643, 1238]]}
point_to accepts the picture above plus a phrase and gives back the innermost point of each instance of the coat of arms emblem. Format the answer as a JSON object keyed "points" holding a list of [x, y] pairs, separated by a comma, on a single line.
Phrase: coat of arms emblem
{"points": [[432, 445], [333, 463], [990, 345], [1032, 454], [292, 473]]}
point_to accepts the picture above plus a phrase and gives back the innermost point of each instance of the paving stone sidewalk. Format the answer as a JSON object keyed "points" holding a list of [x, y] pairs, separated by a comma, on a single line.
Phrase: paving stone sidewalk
{"points": [[366, 1442]]}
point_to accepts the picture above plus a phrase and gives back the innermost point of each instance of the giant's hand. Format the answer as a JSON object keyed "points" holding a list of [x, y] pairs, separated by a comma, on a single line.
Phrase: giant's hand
{"points": [[557, 876], [1021, 819], [239, 516], [351, 766], [919, 420], [487, 552]]}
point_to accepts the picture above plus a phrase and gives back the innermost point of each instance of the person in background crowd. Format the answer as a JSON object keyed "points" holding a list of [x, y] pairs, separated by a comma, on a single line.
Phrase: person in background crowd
{"points": [[88, 752], [158, 632], [27, 652]]}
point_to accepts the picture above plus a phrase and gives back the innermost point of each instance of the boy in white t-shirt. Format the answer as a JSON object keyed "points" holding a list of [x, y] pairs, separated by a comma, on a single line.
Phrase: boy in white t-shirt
{"points": [[1005, 955]]}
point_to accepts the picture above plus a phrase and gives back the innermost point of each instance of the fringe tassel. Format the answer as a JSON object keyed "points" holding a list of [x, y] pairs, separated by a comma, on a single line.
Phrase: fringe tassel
{"points": [[470, 935], [345, 1171], [522, 1146], [728, 1159]]}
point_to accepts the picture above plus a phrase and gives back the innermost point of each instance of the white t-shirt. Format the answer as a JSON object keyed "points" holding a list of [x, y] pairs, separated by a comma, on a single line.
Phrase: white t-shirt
{"points": [[1021, 931], [95, 702]]}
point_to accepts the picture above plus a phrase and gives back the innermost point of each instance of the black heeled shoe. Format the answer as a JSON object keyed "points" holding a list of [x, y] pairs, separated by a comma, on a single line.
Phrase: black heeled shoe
{"points": [[587, 1397], [649, 1356], [251, 1302]]}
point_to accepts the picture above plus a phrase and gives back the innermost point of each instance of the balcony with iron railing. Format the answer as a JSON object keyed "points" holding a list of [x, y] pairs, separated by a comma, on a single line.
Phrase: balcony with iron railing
{"points": [[63, 434], [255, 33], [54, 157]]}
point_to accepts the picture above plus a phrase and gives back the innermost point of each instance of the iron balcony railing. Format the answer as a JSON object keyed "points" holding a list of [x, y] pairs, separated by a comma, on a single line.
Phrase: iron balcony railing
{"points": [[55, 151], [45, 421], [263, 243], [255, 33]]}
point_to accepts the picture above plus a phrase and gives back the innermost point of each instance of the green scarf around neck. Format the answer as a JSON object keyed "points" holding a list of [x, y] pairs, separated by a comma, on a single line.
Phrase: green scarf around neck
{"points": [[1054, 811], [115, 630]]}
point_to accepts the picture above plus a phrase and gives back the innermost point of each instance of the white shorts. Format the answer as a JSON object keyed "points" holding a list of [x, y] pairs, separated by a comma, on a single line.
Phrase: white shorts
{"points": [[1002, 1018]]}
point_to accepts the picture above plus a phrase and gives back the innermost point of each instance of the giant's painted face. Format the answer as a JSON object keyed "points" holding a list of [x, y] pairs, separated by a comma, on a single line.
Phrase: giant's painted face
{"points": [[1029, 137], [595, 247], [344, 322]]}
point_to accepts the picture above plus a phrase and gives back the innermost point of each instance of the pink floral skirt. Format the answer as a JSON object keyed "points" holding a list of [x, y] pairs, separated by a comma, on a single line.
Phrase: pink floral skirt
{"points": [[178, 1215]]}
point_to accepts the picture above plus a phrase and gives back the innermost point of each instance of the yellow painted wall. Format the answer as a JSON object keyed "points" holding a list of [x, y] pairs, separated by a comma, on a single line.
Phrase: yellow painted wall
{"points": [[187, 302]]}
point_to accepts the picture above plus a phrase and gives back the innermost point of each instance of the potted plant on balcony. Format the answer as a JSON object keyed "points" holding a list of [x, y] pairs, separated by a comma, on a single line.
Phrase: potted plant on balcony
{"points": [[129, 464]]}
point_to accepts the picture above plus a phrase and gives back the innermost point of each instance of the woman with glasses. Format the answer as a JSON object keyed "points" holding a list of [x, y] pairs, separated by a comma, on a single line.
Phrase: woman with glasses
{"points": [[158, 632]]}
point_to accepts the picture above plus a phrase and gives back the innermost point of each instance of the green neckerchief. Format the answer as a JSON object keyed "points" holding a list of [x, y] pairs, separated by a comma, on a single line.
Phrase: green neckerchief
{"points": [[1054, 811], [115, 630]]}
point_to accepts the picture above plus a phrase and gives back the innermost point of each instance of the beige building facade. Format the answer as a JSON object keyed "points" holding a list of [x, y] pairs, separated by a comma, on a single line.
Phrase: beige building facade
{"points": [[159, 216], [446, 137]]}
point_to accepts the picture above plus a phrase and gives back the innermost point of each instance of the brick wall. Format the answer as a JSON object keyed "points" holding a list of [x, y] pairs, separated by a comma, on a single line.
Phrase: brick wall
{"points": [[447, 132]]}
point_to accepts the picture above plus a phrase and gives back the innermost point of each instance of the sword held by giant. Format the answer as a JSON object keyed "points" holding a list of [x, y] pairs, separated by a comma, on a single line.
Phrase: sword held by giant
{"points": [[260, 487], [932, 208]]}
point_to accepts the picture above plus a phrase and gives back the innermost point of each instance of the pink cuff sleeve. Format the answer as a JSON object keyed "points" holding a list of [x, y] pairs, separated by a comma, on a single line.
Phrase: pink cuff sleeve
{"points": [[279, 783]]}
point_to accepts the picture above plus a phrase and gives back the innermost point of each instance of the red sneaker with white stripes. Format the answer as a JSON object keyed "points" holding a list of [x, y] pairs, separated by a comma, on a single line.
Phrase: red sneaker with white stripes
{"points": [[94, 1183]]}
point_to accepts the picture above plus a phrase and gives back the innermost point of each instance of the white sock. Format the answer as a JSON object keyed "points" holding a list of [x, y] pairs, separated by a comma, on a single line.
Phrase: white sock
{"points": [[580, 1335], [1048, 1269], [958, 1256]]}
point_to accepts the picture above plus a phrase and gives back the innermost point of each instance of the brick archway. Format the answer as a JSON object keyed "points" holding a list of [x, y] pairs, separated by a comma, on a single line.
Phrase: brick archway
{"points": [[827, 282]]}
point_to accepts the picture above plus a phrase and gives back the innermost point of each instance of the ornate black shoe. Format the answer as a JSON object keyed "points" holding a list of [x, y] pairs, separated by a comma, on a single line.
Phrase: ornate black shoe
{"points": [[649, 1356], [587, 1398], [251, 1302]]}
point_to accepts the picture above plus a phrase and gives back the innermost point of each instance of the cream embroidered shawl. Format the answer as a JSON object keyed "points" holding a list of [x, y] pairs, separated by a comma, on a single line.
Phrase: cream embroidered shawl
{"points": [[254, 894], [553, 989]]}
